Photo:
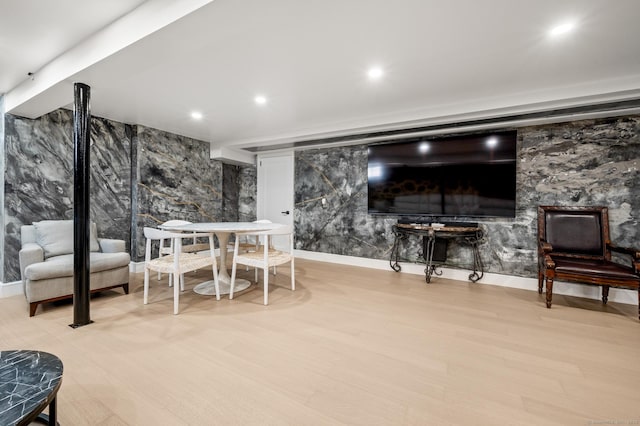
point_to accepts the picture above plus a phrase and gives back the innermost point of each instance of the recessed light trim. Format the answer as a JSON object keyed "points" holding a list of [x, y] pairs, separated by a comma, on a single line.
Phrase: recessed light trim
{"points": [[375, 73], [260, 100], [561, 29], [196, 115]]}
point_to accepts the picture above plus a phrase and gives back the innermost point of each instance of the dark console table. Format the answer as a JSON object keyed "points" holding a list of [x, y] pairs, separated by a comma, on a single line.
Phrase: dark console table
{"points": [[430, 235], [29, 382]]}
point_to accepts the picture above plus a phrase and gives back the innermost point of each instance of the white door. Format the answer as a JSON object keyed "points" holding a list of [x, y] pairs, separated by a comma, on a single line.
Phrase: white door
{"points": [[275, 187]]}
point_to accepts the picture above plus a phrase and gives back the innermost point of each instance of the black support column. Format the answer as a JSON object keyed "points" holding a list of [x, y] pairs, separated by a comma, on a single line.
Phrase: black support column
{"points": [[81, 223]]}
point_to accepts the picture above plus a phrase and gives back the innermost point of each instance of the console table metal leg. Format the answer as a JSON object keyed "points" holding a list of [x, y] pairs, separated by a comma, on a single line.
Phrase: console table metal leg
{"points": [[477, 264], [393, 259], [429, 243]]}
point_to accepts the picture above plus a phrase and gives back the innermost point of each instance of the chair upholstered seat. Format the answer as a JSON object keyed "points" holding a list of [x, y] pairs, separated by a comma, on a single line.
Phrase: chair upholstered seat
{"points": [[62, 266], [588, 268]]}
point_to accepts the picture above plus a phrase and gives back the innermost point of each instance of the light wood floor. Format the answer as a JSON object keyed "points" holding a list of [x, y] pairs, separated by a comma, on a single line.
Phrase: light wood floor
{"points": [[349, 346]]}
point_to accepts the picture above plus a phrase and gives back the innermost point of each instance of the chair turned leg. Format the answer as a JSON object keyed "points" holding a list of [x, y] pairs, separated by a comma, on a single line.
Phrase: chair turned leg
{"points": [[605, 294], [540, 281], [549, 291]]}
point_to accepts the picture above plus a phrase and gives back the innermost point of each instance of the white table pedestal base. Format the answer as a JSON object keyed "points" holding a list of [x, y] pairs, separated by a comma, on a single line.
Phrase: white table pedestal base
{"points": [[208, 288]]}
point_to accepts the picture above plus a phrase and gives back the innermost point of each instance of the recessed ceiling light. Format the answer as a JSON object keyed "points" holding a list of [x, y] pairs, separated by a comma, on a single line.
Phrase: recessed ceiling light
{"points": [[196, 115], [375, 73], [260, 100], [562, 29]]}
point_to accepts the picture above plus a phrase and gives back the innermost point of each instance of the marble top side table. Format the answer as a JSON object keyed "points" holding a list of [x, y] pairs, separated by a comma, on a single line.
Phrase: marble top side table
{"points": [[29, 382]]}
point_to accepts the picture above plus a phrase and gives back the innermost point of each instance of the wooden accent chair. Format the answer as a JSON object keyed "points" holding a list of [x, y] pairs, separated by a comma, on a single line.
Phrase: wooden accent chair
{"points": [[574, 245]]}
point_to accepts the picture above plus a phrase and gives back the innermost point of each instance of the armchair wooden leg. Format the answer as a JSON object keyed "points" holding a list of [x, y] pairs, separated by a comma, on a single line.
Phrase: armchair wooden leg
{"points": [[33, 306], [549, 291], [605, 294]]}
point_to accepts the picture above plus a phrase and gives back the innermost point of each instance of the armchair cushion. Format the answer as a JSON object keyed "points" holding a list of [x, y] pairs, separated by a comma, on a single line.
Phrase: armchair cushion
{"points": [[56, 237], [62, 266], [108, 245]]}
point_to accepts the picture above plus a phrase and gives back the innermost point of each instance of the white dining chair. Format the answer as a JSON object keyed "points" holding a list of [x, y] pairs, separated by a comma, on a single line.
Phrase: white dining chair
{"points": [[166, 247], [178, 262], [249, 242], [265, 257]]}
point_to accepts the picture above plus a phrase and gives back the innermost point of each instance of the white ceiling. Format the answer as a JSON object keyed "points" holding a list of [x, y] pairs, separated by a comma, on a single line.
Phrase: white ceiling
{"points": [[443, 60]]}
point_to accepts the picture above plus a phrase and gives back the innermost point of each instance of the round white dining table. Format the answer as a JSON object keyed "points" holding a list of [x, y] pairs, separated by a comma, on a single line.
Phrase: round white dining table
{"points": [[223, 231]]}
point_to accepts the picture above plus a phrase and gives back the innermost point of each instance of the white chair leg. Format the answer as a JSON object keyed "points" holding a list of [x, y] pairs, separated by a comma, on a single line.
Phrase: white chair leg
{"points": [[182, 282], [159, 276], [266, 285], [170, 280], [293, 276], [233, 280], [146, 286], [176, 298]]}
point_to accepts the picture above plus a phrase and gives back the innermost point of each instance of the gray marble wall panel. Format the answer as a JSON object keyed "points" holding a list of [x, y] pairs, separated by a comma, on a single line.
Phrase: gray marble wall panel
{"points": [[2, 155], [590, 162], [39, 177], [177, 180], [239, 193], [341, 225], [247, 189], [2, 144], [230, 194]]}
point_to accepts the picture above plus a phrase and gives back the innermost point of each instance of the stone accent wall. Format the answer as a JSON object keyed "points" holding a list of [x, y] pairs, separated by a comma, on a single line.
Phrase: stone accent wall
{"points": [[142, 177], [239, 194], [139, 177], [589, 162], [39, 177], [176, 180]]}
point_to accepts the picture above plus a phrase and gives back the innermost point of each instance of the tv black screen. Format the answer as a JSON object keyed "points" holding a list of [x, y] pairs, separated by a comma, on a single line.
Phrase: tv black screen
{"points": [[470, 175]]}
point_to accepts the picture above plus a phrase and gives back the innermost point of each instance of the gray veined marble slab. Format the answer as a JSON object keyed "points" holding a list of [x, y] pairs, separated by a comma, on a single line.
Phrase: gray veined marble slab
{"points": [[29, 381]]}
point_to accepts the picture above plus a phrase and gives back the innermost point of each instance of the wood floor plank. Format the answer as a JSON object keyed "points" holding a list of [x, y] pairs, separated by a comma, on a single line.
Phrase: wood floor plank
{"points": [[351, 346]]}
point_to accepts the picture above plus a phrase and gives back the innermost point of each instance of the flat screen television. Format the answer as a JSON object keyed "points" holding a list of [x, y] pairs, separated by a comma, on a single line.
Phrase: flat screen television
{"points": [[468, 175]]}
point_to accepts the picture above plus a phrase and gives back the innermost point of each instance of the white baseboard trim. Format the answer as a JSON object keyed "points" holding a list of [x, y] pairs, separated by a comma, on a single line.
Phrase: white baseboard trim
{"points": [[568, 289], [10, 289], [590, 292], [136, 267]]}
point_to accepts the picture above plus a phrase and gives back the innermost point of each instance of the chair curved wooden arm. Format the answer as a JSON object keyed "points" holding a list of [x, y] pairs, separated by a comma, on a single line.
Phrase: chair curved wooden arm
{"points": [[574, 246]]}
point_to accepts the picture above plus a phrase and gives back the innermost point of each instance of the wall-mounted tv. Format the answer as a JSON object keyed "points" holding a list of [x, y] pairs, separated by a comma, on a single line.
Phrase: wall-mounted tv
{"points": [[465, 175]]}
